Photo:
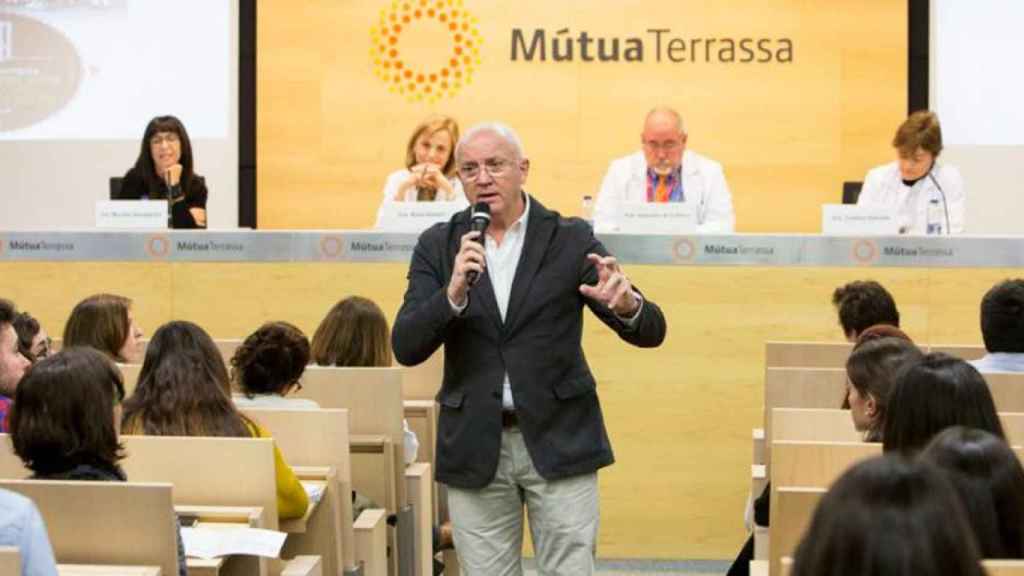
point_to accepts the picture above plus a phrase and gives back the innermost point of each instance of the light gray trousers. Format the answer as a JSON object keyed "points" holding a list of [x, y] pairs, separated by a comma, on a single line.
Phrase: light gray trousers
{"points": [[488, 523]]}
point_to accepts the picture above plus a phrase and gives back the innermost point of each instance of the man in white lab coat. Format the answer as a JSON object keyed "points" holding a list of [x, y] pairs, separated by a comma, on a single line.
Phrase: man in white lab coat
{"points": [[665, 171]]}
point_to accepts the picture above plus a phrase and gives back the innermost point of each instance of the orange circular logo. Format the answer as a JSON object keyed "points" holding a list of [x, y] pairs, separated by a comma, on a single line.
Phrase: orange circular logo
{"points": [[332, 247], [425, 49], [684, 250], [864, 251], [158, 246]]}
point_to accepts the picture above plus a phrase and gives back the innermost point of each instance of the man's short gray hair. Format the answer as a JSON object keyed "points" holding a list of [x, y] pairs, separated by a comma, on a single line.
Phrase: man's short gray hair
{"points": [[503, 131], [671, 112]]}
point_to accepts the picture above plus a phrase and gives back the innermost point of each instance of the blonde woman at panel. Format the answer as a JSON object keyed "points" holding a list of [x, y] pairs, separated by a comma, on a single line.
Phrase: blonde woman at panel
{"points": [[429, 173], [926, 196]]}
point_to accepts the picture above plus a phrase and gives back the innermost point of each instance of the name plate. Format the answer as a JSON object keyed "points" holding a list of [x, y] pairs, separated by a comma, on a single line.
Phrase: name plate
{"points": [[131, 214], [415, 216], [657, 218], [853, 220]]}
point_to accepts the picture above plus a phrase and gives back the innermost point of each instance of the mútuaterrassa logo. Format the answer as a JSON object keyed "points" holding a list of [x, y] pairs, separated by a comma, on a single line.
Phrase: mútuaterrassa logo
{"points": [[425, 49]]}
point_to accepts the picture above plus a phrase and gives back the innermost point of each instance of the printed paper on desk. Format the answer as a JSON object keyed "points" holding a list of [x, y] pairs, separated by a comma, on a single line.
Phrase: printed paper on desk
{"points": [[657, 218], [132, 214], [415, 216], [216, 542], [853, 220]]}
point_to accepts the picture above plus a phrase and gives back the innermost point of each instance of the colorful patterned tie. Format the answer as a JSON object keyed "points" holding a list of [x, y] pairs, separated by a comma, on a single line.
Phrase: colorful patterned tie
{"points": [[661, 192]]}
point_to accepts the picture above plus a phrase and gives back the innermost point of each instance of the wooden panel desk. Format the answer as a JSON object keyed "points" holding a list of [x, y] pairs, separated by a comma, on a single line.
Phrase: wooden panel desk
{"points": [[684, 410]]}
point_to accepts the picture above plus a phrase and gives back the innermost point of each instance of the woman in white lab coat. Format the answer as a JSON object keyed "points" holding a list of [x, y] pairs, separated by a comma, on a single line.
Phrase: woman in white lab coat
{"points": [[925, 195]]}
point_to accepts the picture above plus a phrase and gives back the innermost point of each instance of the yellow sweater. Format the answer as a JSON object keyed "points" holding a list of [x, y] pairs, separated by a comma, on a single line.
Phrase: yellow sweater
{"points": [[292, 501]]}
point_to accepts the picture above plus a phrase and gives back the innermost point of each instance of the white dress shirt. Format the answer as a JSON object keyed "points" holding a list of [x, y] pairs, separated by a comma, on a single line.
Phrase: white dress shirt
{"points": [[502, 261]]}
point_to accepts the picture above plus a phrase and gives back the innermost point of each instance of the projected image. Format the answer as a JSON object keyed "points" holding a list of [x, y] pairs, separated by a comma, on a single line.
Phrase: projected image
{"points": [[976, 47], [100, 69], [40, 71]]}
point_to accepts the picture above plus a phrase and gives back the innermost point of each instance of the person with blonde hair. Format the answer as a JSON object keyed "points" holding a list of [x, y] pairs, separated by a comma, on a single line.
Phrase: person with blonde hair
{"points": [[429, 174], [926, 196]]}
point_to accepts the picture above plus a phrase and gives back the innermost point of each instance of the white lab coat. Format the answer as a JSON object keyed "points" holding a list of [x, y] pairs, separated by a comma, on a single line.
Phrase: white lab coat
{"points": [[395, 180], [703, 185], [883, 187]]}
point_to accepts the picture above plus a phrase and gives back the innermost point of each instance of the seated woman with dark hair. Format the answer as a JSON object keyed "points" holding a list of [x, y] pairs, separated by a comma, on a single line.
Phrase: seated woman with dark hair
{"points": [[933, 393], [33, 342], [870, 371], [105, 322], [164, 170], [183, 390], [888, 516], [268, 365], [65, 420], [989, 478], [879, 352]]}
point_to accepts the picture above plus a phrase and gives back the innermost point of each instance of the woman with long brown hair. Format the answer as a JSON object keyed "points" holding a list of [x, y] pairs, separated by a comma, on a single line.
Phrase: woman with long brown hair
{"points": [[183, 390]]}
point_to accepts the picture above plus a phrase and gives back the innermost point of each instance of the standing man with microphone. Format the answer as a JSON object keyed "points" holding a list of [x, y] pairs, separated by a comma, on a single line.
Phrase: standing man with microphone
{"points": [[520, 421], [927, 197]]}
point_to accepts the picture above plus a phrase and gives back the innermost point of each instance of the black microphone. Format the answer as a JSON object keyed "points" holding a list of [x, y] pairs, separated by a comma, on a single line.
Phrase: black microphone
{"points": [[942, 192], [479, 220]]}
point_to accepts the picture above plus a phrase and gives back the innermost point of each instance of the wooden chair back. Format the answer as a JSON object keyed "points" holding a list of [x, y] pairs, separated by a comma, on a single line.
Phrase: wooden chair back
{"points": [[806, 354], [125, 523], [373, 397], [208, 471]]}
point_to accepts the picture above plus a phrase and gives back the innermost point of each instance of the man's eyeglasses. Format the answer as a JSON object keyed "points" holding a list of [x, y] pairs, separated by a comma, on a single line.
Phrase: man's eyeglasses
{"points": [[667, 145], [494, 166]]}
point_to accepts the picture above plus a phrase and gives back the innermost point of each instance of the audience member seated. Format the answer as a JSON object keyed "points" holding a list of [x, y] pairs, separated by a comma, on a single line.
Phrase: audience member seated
{"points": [[64, 424], [12, 362], [268, 365], [183, 390], [862, 304], [870, 371], [355, 333], [105, 322], [1002, 328], [22, 527], [876, 358], [926, 196], [33, 342], [870, 397], [887, 516], [164, 171], [931, 394], [429, 173], [987, 474], [665, 171]]}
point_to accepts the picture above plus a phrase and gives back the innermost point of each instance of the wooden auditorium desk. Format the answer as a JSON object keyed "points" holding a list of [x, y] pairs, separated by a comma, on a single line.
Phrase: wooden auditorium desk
{"points": [[679, 416]]}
